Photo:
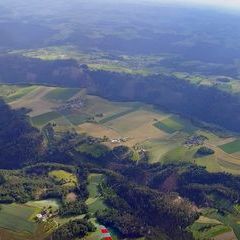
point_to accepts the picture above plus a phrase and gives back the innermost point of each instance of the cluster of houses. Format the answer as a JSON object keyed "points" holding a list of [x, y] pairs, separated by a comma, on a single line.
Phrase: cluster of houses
{"points": [[44, 215], [73, 104], [196, 140], [119, 140]]}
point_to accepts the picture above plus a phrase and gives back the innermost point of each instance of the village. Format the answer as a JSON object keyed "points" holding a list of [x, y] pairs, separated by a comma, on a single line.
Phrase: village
{"points": [[195, 140], [76, 103]]}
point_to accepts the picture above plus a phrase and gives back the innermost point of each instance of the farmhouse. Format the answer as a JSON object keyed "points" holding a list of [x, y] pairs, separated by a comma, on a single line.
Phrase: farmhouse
{"points": [[119, 140]]}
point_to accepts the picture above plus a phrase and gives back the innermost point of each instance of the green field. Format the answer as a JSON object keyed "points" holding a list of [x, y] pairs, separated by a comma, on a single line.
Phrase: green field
{"points": [[157, 149], [45, 118], [169, 125], [12, 92], [61, 94], [77, 118], [232, 147], [94, 201], [20, 93], [118, 115], [17, 218], [68, 179]]}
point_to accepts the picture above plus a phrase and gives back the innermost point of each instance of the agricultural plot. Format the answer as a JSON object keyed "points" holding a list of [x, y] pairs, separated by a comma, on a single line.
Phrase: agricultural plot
{"points": [[67, 179], [102, 109], [12, 93], [35, 101], [232, 147], [117, 115], [174, 124], [77, 118], [44, 118], [137, 126], [17, 218], [159, 148], [161, 134], [61, 94], [97, 130], [217, 162], [169, 125]]}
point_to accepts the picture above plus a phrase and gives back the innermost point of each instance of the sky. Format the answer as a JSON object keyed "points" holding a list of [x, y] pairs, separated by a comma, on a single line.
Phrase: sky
{"points": [[217, 3]]}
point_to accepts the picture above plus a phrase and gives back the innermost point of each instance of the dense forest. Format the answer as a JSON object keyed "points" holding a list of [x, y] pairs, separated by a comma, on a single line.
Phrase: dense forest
{"points": [[20, 142], [202, 103]]}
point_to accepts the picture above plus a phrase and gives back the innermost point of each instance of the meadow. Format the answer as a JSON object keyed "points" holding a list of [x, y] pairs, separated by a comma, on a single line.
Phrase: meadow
{"points": [[94, 201]]}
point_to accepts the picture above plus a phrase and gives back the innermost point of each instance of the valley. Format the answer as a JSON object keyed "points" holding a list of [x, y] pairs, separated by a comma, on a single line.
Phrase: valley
{"points": [[139, 126]]}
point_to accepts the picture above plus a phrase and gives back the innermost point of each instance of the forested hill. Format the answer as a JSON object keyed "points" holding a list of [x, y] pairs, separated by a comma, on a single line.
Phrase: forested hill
{"points": [[198, 102], [19, 141]]}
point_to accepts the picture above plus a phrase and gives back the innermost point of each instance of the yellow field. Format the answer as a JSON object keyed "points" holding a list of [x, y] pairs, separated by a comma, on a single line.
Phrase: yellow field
{"points": [[97, 130], [96, 105], [68, 179]]}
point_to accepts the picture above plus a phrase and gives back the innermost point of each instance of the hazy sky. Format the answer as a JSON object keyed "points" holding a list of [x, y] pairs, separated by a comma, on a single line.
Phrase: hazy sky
{"points": [[218, 3]]}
